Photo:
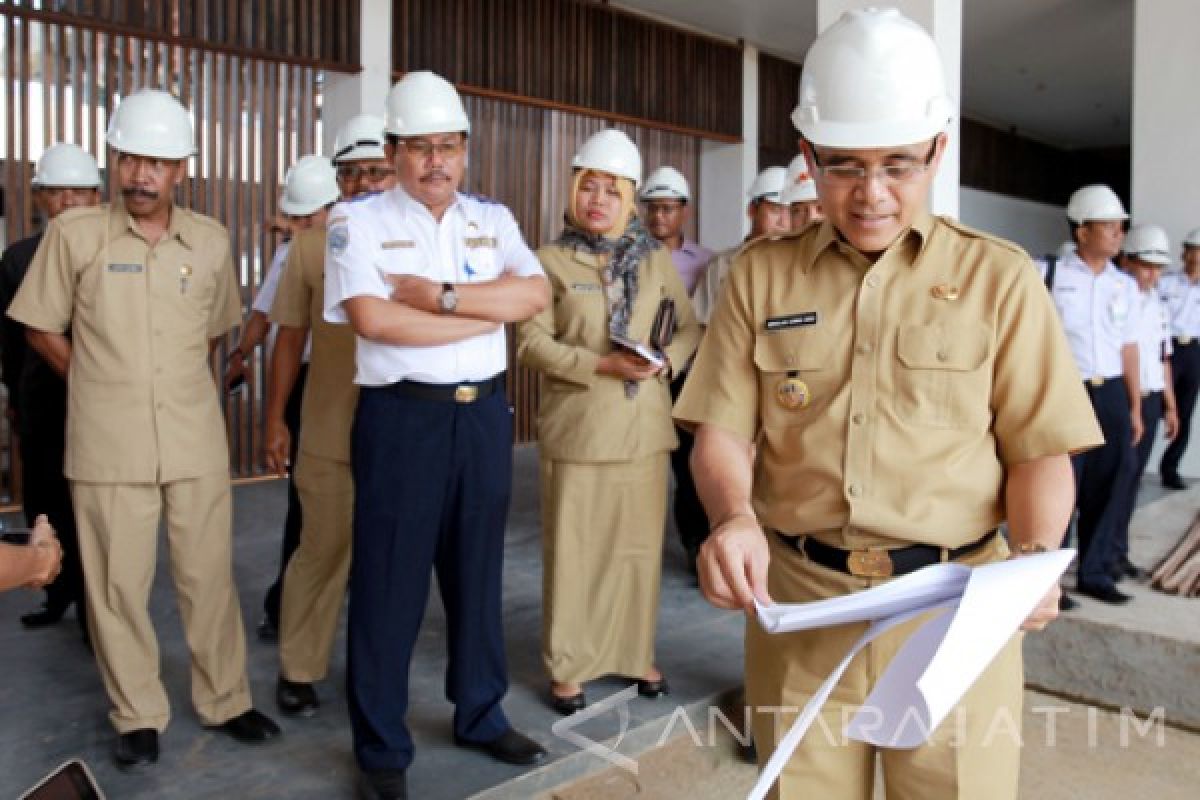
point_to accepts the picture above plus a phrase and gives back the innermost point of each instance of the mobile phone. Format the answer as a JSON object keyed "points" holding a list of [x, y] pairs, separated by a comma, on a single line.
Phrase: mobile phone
{"points": [[71, 781], [16, 535]]}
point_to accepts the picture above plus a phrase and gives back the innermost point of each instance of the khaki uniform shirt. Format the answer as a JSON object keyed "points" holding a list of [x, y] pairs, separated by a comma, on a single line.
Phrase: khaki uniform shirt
{"points": [[914, 381], [330, 394], [583, 416], [142, 406]]}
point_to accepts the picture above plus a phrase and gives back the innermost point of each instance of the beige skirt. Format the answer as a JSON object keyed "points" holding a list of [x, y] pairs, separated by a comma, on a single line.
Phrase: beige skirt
{"points": [[602, 539]]}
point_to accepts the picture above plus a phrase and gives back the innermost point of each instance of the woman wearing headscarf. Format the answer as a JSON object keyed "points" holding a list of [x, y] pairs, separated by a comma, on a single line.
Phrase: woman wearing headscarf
{"points": [[604, 426]]}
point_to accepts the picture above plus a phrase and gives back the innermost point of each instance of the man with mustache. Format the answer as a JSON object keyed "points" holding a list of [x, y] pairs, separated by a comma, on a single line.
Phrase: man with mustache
{"points": [[427, 277], [66, 178], [148, 289]]}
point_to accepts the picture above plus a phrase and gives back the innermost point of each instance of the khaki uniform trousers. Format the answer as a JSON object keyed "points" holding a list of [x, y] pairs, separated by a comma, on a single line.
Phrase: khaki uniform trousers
{"points": [[973, 755], [118, 539], [315, 583]]}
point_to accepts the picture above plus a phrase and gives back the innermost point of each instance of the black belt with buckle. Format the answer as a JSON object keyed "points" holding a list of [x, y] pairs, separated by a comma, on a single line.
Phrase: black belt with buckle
{"points": [[1185, 341], [465, 392], [880, 563]]}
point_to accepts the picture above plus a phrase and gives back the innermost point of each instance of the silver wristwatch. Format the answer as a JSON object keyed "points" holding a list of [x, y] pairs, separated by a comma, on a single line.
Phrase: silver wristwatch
{"points": [[449, 298]]}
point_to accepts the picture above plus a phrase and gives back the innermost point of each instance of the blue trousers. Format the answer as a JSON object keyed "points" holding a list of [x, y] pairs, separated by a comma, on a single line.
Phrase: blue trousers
{"points": [[1185, 372], [1152, 414], [432, 481], [1103, 477]]}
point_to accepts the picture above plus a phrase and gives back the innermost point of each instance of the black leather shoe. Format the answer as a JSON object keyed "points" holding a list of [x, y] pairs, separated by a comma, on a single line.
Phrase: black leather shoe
{"points": [[249, 727], [748, 752], [268, 630], [1173, 482], [1066, 602], [136, 749], [653, 689], [568, 705], [383, 785], [1105, 594], [296, 698], [1133, 571], [45, 617], [511, 747]]}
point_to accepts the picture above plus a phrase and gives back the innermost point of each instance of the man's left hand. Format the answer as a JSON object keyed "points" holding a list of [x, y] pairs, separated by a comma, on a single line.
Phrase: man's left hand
{"points": [[1045, 612], [416, 292]]}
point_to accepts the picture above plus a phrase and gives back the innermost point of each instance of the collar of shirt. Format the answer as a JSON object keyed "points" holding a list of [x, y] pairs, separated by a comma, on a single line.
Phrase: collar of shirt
{"points": [[179, 227], [1073, 261], [409, 205], [827, 236]]}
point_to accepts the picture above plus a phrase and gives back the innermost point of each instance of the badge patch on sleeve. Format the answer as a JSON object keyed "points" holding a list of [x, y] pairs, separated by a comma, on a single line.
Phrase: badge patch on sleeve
{"points": [[338, 239], [801, 320]]}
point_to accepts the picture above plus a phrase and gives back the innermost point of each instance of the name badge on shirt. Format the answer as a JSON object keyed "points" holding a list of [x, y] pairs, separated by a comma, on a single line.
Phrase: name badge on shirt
{"points": [[481, 241], [398, 244], [127, 268], [800, 320], [585, 287]]}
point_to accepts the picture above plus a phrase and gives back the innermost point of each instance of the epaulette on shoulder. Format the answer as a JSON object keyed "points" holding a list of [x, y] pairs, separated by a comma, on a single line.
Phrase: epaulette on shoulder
{"points": [[975, 233], [482, 198], [361, 197], [206, 221], [762, 241]]}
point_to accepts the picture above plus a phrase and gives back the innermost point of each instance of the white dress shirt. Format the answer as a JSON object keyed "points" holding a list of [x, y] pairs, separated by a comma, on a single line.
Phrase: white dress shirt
{"points": [[1099, 314], [266, 297], [1154, 341], [390, 233], [1182, 297]]}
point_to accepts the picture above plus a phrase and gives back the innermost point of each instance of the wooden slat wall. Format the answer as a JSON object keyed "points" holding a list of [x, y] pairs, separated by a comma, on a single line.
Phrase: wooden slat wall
{"points": [[321, 33], [778, 89], [253, 118], [521, 155], [574, 55]]}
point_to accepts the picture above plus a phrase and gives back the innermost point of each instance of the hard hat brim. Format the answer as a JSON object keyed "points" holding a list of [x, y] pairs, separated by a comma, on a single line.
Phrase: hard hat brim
{"points": [[362, 153]]}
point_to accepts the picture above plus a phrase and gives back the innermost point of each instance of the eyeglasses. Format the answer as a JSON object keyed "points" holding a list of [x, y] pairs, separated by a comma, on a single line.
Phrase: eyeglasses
{"points": [[352, 172], [423, 148], [851, 174]]}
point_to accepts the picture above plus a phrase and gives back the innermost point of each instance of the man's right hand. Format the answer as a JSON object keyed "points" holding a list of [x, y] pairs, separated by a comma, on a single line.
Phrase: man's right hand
{"points": [[732, 564], [278, 441], [626, 366]]}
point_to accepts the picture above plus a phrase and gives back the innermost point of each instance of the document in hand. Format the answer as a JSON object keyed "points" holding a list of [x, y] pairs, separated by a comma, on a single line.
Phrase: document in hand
{"points": [[645, 351], [982, 608]]}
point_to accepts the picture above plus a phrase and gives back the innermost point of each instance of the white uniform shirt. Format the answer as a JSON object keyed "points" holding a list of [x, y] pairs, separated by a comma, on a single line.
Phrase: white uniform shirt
{"points": [[1154, 341], [1183, 303], [391, 234], [1099, 314], [266, 296]]}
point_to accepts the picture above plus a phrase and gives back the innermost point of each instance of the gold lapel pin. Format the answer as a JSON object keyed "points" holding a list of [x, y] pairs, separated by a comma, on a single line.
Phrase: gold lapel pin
{"points": [[944, 291]]}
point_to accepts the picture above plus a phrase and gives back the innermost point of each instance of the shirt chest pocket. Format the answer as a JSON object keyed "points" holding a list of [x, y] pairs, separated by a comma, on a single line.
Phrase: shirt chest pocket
{"points": [[797, 376], [481, 259], [941, 378], [1073, 306]]}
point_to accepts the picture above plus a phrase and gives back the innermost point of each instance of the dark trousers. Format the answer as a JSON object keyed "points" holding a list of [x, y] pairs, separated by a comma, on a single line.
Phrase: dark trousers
{"points": [[293, 522], [1185, 372], [1152, 413], [45, 490], [690, 519], [431, 490], [1102, 480]]}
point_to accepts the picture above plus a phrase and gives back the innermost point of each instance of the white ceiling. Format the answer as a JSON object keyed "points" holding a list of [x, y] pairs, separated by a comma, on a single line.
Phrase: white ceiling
{"points": [[1060, 71]]}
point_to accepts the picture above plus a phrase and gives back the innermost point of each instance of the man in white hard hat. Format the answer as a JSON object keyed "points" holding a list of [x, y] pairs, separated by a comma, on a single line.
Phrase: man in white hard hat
{"points": [[66, 177], [801, 194], [427, 277], [770, 215], [1099, 306], [318, 454], [1181, 291], [310, 190], [875, 394], [1145, 253], [148, 289], [667, 199]]}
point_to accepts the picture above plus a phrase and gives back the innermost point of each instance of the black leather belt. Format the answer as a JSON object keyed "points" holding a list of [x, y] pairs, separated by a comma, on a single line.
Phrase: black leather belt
{"points": [[1098, 382], [465, 392], [880, 563]]}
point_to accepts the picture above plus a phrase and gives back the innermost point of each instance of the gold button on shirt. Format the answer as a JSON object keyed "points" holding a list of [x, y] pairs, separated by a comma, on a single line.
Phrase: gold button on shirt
{"points": [[330, 394], [142, 405], [925, 374]]}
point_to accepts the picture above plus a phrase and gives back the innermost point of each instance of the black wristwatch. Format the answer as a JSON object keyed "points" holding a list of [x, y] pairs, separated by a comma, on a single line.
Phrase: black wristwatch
{"points": [[449, 299]]}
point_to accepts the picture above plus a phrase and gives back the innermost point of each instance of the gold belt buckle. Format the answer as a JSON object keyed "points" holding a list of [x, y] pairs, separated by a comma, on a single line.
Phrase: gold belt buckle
{"points": [[1184, 340], [870, 563], [466, 394], [1096, 380]]}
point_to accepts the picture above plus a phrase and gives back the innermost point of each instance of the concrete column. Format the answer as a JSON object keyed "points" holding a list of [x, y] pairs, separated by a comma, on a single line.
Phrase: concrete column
{"points": [[943, 20], [363, 93], [727, 170]]}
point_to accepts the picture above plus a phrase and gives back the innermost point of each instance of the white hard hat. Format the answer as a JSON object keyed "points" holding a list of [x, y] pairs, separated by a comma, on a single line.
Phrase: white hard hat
{"points": [[421, 103], [1147, 243], [1095, 203], [800, 187], [612, 152], [311, 184], [151, 122], [769, 185], [360, 138], [1193, 238], [872, 79], [66, 166], [666, 183]]}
